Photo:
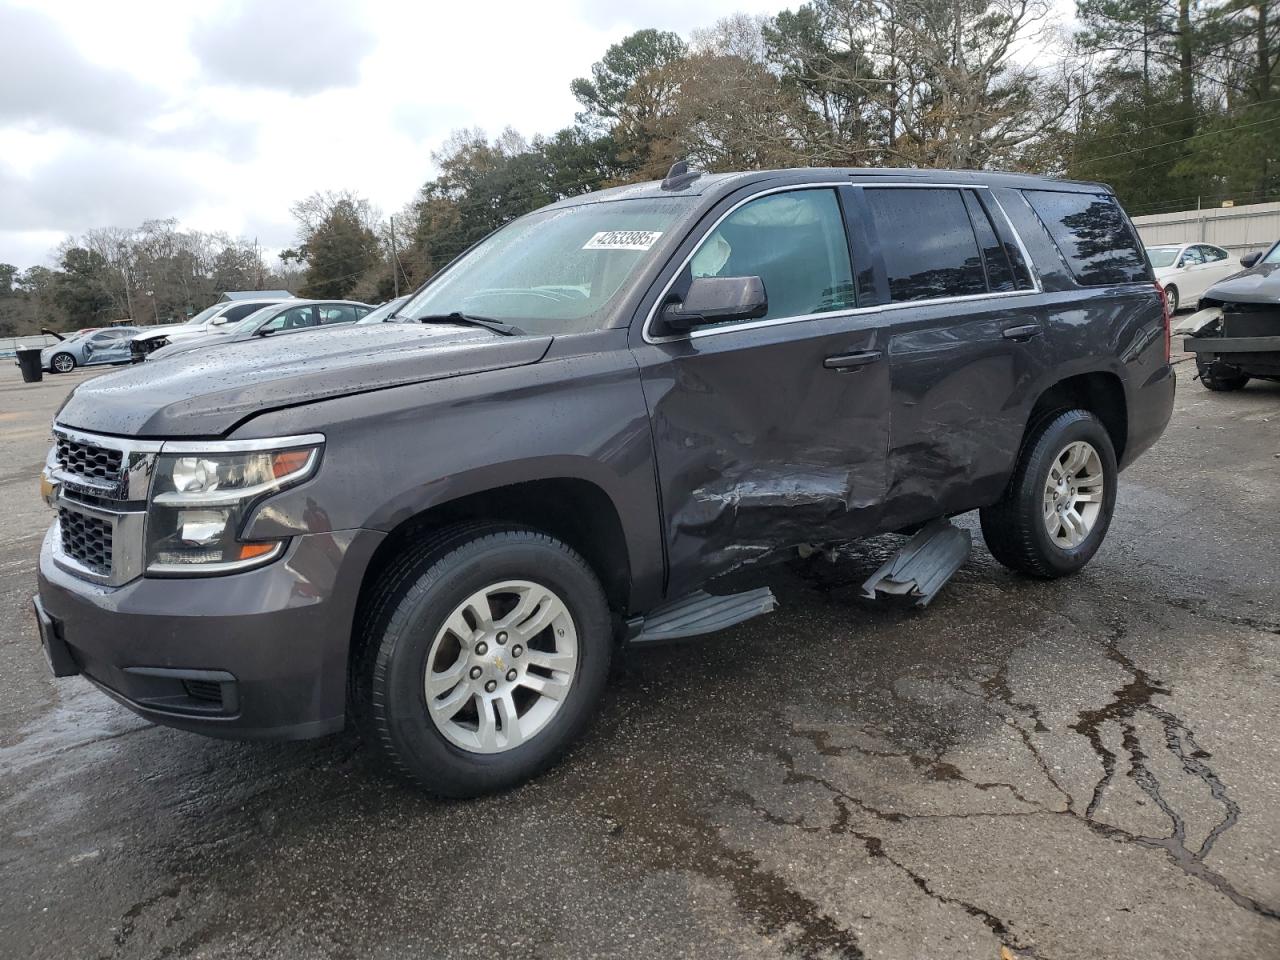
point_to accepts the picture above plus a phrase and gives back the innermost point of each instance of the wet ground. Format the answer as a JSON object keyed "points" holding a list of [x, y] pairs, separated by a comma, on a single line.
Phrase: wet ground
{"points": [[1080, 769]]}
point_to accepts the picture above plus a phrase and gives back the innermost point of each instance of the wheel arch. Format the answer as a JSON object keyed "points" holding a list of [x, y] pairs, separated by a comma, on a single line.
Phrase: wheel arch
{"points": [[575, 510], [1101, 392]]}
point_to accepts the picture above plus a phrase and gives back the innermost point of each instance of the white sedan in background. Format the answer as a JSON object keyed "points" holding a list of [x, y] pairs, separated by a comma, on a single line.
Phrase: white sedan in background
{"points": [[1187, 270]]}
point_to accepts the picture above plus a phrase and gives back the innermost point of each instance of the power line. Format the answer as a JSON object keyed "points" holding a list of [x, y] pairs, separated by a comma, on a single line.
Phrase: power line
{"points": [[1170, 143]]}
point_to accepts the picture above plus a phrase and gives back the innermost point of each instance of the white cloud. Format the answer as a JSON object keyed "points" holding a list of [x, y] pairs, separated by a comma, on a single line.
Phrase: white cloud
{"points": [[299, 46], [225, 113]]}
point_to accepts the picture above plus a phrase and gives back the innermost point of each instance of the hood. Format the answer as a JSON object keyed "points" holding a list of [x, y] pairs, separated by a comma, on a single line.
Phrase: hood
{"points": [[205, 394], [161, 331], [188, 344], [1258, 284]]}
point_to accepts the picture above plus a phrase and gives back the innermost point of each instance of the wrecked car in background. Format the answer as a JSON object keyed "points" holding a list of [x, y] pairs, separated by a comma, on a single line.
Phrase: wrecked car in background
{"points": [[441, 530], [1235, 334]]}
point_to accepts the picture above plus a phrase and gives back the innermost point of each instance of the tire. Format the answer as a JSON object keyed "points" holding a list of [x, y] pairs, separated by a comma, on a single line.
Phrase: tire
{"points": [[407, 635], [62, 363], [1215, 376], [1171, 295], [1017, 528]]}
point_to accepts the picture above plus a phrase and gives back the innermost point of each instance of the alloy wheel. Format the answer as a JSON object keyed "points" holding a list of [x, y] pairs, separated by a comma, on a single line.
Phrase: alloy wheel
{"points": [[63, 363], [1073, 493], [501, 666]]}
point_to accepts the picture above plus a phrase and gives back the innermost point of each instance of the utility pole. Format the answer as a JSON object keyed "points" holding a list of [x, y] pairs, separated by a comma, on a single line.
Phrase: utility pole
{"points": [[395, 259]]}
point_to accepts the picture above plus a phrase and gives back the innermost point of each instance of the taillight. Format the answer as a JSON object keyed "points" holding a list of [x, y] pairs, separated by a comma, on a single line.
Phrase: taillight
{"points": [[1168, 323]]}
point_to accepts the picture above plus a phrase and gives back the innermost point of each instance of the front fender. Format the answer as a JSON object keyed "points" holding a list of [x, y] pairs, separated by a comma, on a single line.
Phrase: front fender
{"points": [[392, 454]]}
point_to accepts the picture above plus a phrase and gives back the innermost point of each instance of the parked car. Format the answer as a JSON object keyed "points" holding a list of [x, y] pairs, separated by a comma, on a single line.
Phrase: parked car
{"points": [[1236, 333], [442, 531], [386, 311], [1187, 270], [206, 321], [278, 319], [88, 347]]}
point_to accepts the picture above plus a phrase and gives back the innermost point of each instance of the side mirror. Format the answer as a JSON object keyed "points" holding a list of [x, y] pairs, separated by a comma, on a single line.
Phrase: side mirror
{"points": [[1249, 259], [717, 300], [218, 321]]}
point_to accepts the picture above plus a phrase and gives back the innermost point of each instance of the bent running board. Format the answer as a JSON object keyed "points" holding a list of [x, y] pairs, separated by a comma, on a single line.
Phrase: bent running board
{"points": [[700, 612], [923, 565]]}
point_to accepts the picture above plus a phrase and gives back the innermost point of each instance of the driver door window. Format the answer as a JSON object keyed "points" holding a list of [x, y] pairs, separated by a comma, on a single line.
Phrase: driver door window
{"points": [[794, 242], [1191, 257]]}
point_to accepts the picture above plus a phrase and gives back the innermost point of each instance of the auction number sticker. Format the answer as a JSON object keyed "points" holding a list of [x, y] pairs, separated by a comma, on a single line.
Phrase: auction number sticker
{"points": [[623, 240]]}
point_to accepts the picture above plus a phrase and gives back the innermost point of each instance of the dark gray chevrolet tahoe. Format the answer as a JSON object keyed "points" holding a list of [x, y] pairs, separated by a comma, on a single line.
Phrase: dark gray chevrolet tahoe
{"points": [[441, 529]]}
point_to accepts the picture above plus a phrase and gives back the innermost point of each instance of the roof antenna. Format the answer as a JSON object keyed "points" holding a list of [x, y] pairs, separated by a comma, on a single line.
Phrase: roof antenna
{"points": [[679, 176]]}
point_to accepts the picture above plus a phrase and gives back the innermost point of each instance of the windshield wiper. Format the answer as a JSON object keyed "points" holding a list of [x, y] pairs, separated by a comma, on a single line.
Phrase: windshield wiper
{"points": [[470, 319]]}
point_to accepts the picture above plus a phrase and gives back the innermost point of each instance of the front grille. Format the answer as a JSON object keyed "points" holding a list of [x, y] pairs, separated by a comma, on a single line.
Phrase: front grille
{"points": [[207, 690], [86, 460], [85, 539]]}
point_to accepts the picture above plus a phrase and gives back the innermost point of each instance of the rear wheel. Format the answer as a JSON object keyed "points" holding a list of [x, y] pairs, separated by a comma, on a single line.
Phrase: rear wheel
{"points": [[1218, 377], [1058, 507], [484, 656], [62, 363]]}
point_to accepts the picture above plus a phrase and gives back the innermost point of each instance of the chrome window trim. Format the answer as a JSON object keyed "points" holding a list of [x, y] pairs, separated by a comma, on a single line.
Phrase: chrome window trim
{"points": [[242, 446], [854, 311]]}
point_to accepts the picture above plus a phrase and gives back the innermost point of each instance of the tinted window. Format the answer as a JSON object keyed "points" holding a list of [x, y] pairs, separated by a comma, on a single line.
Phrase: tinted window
{"points": [[1092, 234], [927, 242], [236, 314], [994, 257], [794, 242]]}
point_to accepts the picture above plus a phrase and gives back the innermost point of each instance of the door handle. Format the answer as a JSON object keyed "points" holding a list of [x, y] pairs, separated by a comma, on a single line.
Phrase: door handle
{"points": [[851, 361], [1022, 333]]}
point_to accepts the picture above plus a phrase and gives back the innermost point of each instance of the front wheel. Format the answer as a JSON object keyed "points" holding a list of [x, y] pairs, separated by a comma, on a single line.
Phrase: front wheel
{"points": [[485, 654], [1171, 295], [62, 363], [1056, 512]]}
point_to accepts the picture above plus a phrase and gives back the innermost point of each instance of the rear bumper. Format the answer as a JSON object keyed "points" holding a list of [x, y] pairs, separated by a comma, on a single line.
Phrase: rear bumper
{"points": [[1150, 408], [260, 654]]}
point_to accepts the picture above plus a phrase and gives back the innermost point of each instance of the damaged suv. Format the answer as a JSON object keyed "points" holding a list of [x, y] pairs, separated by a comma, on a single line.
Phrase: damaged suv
{"points": [[441, 530], [1236, 331]]}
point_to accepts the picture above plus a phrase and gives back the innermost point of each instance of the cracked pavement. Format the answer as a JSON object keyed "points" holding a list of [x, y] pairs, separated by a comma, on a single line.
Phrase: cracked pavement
{"points": [[1086, 768]]}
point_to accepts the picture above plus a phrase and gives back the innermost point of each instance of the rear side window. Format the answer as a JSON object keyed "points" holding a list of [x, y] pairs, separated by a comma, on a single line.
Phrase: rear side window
{"points": [[927, 242], [1092, 234]]}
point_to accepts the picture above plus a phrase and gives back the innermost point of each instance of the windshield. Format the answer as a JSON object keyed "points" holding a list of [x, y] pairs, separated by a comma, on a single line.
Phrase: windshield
{"points": [[382, 312], [1162, 256], [205, 314], [1273, 255], [554, 271]]}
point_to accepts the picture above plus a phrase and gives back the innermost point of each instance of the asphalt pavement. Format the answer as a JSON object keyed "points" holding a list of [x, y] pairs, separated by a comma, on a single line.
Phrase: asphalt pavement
{"points": [[1088, 768]]}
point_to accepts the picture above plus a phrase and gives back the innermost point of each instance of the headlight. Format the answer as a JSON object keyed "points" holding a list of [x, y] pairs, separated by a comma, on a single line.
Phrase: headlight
{"points": [[203, 493]]}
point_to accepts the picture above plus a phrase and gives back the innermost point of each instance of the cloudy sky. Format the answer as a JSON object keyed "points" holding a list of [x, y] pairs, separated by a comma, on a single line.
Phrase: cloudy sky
{"points": [[224, 113]]}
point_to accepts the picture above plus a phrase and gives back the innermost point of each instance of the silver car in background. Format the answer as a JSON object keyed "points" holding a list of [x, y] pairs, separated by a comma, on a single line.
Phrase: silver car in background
{"points": [[278, 319], [89, 347]]}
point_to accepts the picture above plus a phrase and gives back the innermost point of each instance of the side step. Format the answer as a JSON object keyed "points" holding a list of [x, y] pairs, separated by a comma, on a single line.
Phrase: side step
{"points": [[924, 563], [700, 613]]}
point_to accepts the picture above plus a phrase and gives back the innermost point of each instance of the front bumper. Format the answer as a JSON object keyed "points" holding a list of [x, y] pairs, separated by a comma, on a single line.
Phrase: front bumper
{"points": [[259, 654]]}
